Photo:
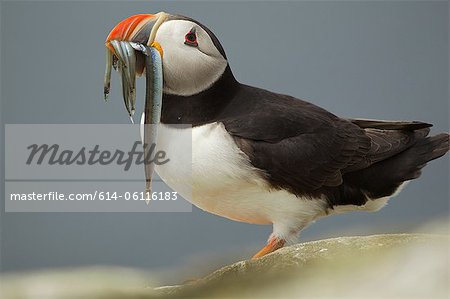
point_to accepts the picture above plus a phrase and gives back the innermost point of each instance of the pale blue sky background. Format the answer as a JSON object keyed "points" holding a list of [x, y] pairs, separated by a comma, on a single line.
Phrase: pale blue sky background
{"points": [[386, 60]]}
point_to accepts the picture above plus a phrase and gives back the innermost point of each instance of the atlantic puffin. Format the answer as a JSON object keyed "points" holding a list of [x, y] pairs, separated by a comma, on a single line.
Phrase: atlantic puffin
{"points": [[257, 156]]}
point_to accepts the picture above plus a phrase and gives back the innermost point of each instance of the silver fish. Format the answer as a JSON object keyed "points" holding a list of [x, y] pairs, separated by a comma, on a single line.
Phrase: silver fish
{"points": [[124, 61], [107, 80], [153, 104]]}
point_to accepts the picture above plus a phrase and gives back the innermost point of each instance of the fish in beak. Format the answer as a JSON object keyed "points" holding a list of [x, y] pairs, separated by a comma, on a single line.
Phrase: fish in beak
{"points": [[131, 49]]}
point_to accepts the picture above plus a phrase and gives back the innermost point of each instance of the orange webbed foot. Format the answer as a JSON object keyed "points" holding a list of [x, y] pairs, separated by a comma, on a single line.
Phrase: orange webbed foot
{"points": [[272, 245]]}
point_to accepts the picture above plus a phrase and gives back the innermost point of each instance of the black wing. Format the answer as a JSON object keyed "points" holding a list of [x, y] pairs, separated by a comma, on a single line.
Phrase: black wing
{"points": [[390, 125], [302, 147]]}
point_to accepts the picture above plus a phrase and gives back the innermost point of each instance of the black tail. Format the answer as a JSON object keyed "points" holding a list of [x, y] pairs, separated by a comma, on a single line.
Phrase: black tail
{"points": [[424, 151], [383, 178]]}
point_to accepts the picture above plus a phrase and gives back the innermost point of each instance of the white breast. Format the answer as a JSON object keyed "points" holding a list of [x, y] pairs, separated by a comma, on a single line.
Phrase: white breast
{"points": [[222, 181]]}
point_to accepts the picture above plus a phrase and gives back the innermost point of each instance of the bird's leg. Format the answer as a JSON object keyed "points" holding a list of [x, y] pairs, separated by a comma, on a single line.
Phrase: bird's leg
{"points": [[273, 244]]}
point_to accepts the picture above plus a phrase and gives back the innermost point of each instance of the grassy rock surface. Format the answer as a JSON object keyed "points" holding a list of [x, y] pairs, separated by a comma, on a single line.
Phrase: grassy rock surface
{"points": [[380, 266]]}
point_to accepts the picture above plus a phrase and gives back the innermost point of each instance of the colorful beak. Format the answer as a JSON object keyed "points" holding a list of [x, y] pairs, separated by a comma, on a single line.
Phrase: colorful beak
{"points": [[134, 32], [131, 49]]}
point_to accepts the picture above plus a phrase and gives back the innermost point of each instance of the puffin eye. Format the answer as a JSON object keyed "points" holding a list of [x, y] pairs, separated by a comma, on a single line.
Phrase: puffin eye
{"points": [[191, 38]]}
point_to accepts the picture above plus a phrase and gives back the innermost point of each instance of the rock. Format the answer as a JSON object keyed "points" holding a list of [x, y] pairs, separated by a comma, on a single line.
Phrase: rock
{"points": [[400, 266], [87, 282]]}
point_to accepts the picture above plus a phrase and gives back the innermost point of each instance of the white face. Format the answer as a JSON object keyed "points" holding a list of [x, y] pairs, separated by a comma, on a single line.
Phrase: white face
{"points": [[188, 68]]}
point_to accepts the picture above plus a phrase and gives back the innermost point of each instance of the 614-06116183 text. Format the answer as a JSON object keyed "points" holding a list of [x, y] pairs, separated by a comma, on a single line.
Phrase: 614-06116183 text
{"points": [[144, 196], [97, 195]]}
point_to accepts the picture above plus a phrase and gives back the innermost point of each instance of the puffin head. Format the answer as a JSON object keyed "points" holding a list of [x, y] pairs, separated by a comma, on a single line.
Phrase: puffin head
{"points": [[178, 55], [192, 56]]}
